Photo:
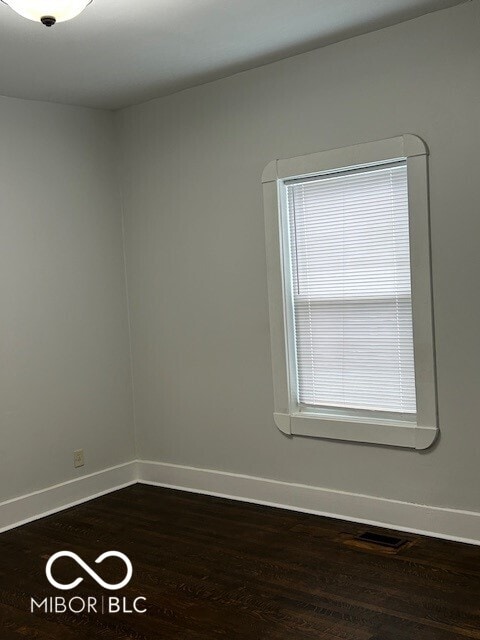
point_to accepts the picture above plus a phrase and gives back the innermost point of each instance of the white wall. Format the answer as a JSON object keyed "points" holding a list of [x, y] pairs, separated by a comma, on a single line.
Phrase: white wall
{"points": [[64, 374], [191, 172]]}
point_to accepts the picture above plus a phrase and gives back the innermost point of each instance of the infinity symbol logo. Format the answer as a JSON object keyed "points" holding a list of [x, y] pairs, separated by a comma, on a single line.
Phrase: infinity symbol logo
{"points": [[87, 569]]}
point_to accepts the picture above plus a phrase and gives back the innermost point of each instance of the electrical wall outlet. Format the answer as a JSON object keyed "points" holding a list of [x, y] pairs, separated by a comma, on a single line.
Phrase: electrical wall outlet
{"points": [[78, 458]]}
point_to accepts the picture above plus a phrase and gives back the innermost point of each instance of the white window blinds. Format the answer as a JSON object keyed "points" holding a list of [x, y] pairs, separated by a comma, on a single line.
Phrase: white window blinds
{"points": [[350, 269]]}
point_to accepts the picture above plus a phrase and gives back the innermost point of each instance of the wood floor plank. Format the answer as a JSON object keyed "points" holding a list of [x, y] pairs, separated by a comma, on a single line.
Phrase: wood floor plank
{"points": [[213, 568]]}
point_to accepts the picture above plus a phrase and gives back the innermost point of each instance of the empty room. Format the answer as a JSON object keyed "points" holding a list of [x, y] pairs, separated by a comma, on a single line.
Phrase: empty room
{"points": [[240, 361]]}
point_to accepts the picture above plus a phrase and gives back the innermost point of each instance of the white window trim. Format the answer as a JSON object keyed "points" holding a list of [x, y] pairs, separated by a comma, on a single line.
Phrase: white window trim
{"points": [[419, 434]]}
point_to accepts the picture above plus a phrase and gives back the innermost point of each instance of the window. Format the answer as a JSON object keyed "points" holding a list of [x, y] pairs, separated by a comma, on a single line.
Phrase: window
{"points": [[350, 282], [351, 321]]}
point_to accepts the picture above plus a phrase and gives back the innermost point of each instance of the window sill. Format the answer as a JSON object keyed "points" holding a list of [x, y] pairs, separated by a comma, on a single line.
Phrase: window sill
{"points": [[375, 431]]}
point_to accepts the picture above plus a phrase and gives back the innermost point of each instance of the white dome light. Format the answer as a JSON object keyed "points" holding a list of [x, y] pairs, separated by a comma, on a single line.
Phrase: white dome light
{"points": [[48, 11]]}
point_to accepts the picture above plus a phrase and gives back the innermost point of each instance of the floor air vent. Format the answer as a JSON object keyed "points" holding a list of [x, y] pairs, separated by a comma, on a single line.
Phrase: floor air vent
{"points": [[390, 542], [375, 542]]}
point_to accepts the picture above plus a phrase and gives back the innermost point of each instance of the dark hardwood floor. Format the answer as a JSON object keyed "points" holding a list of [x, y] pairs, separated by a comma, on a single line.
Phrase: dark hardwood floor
{"points": [[211, 568]]}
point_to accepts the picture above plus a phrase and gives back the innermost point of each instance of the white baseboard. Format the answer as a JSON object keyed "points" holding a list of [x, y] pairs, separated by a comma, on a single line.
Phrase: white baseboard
{"points": [[39, 504], [440, 522]]}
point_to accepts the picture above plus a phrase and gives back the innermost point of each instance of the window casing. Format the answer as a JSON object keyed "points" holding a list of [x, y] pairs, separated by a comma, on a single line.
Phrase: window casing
{"points": [[347, 235]]}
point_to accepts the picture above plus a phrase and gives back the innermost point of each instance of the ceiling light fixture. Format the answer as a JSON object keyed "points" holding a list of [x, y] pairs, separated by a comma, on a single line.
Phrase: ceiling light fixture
{"points": [[48, 12]]}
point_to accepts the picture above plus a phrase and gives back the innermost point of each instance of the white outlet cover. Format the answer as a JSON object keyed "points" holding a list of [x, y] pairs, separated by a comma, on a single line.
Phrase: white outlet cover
{"points": [[78, 458]]}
